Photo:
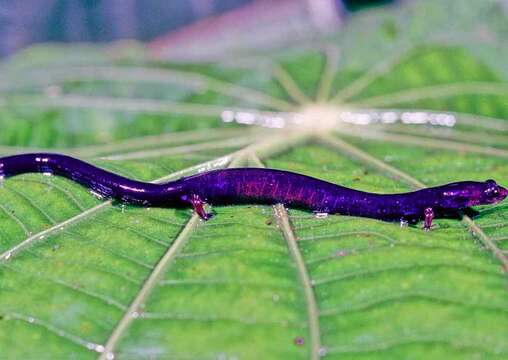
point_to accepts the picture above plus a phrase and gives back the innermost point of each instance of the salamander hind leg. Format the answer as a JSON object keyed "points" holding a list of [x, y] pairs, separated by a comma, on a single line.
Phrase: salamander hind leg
{"points": [[199, 206], [429, 216], [408, 220], [405, 221], [470, 212]]}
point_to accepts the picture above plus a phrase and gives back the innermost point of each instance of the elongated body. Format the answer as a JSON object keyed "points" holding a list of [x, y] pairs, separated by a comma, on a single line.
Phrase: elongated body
{"points": [[263, 186]]}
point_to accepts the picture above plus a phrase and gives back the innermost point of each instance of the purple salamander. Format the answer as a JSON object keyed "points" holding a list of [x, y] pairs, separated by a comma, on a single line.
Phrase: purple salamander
{"points": [[264, 186]]}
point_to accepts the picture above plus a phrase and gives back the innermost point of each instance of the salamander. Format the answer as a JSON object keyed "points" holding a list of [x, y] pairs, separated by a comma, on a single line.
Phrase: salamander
{"points": [[263, 186]]}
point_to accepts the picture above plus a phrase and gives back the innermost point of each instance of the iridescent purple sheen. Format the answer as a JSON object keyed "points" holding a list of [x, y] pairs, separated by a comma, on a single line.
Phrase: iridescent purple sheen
{"points": [[263, 186]]}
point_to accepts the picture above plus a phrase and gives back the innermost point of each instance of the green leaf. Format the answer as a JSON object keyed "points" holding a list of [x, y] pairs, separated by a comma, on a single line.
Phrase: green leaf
{"points": [[82, 277]]}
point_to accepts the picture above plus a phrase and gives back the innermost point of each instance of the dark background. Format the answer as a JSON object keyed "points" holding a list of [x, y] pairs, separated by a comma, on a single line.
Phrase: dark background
{"points": [[23, 22]]}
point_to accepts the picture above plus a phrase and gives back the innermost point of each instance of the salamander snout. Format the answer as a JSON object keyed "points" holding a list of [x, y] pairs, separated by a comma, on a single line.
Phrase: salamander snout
{"points": [[503, 192]]}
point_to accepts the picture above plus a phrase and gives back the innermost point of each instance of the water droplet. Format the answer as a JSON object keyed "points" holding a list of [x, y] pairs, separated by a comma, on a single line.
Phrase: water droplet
{"points": [[299, 340], [135, 314], [123, 208], [31, 320], [47, 173], [321, 215], [275, 297], [8, 255], [110, 356], [403, 223], [341, 253], [99, 348], [322, 351], [228, 116], [53, 91]]}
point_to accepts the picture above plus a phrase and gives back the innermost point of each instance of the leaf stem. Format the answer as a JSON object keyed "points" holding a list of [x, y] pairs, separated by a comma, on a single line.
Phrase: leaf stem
{"points": [[312, 310]]}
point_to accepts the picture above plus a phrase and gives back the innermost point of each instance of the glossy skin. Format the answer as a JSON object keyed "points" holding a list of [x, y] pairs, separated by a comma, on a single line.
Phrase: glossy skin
{"points": [[264, 186]]}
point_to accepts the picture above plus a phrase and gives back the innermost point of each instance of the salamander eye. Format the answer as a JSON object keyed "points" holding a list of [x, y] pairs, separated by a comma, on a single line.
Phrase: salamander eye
{"points": [[491, 183], [492, 191]]}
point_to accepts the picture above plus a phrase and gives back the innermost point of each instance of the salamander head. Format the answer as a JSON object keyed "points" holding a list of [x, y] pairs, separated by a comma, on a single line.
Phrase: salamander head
{"points": [[471, 193], [493, 193]]}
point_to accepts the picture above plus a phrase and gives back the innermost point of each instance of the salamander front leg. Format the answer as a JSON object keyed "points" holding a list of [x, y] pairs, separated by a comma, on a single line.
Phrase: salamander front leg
{"points": [[429, 216], [199, 206]]}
